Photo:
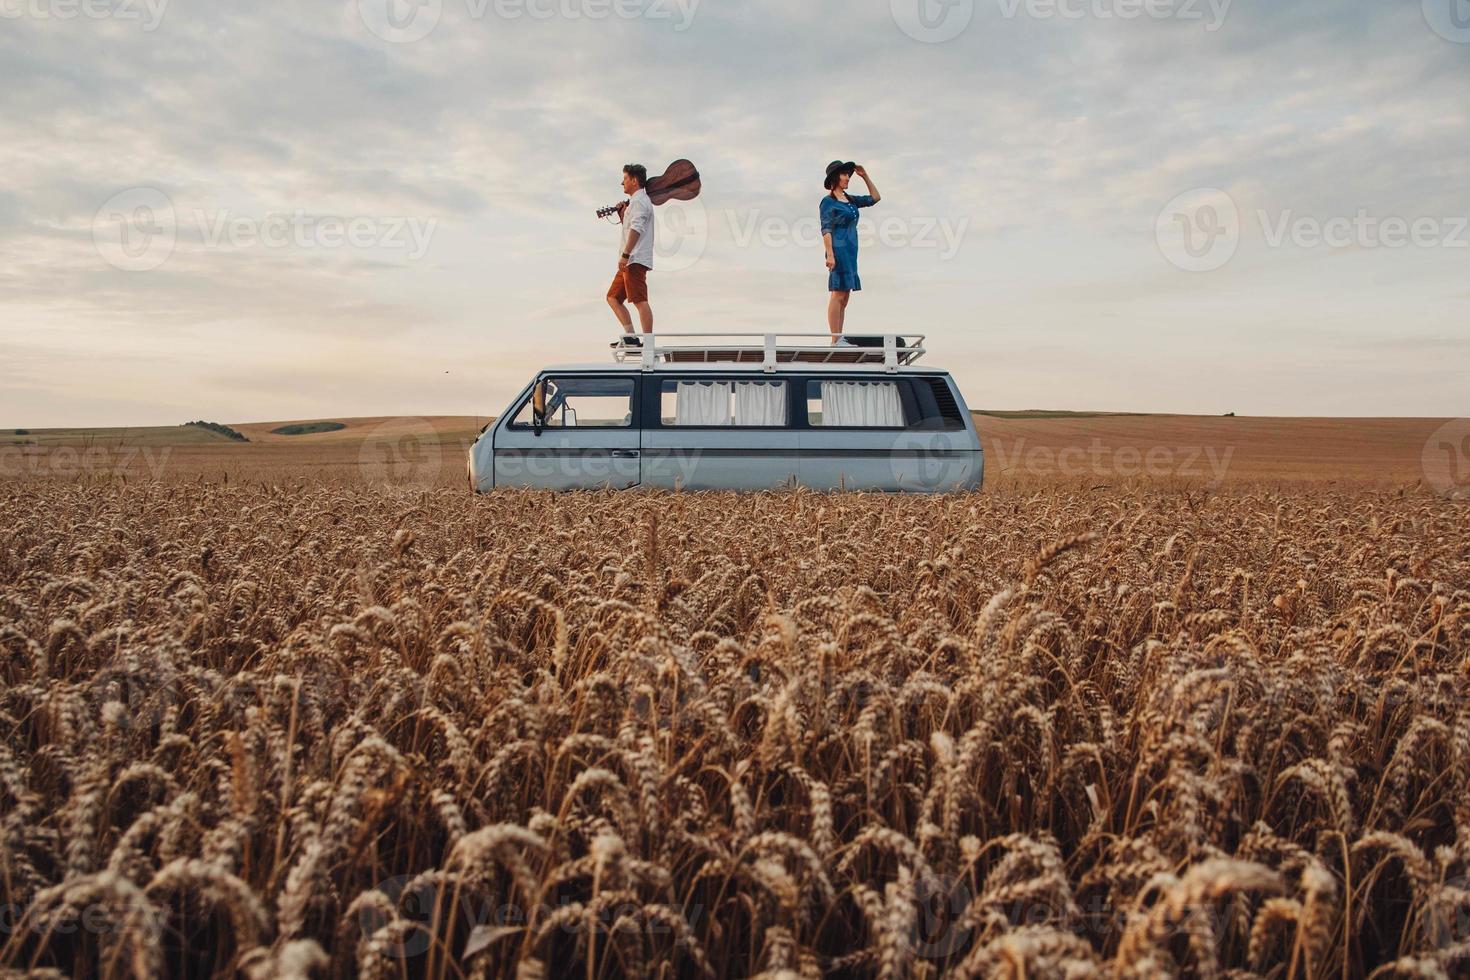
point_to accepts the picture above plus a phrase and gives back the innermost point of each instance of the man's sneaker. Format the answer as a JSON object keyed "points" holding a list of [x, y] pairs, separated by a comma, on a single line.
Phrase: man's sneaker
{"points": [[628, 340]]}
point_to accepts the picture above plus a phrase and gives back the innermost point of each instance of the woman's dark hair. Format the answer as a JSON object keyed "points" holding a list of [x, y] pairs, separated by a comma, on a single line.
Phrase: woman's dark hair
{"points": [[638, 172]]}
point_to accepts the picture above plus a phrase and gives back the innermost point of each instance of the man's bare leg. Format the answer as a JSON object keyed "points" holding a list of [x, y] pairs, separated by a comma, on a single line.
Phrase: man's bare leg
{"points": [[645, 317], [621, 312]]}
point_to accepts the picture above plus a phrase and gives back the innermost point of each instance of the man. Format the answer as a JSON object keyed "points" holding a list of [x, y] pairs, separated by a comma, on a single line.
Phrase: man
{"points": [[630, 285]]}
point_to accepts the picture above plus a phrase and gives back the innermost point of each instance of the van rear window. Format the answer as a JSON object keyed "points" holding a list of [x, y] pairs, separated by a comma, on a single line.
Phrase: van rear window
{"points": [[750, 404], [854, 405]]}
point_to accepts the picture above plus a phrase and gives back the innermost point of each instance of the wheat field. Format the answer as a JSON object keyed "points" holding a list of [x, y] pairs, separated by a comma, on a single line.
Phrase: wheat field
{"points": [[1036, 732]]}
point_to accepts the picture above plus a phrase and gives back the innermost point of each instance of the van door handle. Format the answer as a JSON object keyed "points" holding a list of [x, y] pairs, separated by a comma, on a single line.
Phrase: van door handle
{"points": [[625, 454]]}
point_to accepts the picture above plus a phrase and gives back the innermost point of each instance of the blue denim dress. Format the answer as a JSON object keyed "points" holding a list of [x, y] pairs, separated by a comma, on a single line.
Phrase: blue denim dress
{"points": [[840, 220]]}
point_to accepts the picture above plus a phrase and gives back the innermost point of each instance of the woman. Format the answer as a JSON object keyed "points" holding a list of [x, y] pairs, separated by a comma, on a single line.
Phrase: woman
{"points": [[839, 213]]}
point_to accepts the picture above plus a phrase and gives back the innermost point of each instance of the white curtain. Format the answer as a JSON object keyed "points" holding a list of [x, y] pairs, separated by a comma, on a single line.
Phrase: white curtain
{"points": [[702, 403], [760, 403], [862, 403]]}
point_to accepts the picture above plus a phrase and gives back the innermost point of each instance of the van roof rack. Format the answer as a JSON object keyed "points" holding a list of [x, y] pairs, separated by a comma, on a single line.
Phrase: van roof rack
{"points": [[770, 351]]}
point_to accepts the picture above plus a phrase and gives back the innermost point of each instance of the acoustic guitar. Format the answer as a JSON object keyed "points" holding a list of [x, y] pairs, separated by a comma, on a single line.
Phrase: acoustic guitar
{"points": [[680, 182]]}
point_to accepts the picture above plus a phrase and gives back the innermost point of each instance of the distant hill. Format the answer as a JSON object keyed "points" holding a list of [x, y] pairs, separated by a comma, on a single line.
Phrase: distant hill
{"points": [[1049, 413]]}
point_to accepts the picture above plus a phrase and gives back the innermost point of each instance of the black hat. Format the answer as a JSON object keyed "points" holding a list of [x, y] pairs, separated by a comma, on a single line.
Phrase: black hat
{"points": [[837, 167]]}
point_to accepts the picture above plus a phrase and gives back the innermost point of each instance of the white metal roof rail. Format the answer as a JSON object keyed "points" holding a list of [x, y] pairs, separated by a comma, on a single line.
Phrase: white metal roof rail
{"points": [[768, 350]]}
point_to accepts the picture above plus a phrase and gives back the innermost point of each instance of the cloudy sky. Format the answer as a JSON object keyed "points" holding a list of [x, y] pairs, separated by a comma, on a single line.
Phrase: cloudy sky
{"points": [[272, 209]]}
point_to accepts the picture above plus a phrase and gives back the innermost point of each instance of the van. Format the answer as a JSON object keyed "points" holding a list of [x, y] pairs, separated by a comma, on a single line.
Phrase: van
{"points": [[683, 411]]}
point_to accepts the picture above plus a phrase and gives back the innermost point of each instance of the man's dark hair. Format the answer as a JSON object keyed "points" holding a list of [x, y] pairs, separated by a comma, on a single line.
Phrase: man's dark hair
{"points": [[639, 173]]}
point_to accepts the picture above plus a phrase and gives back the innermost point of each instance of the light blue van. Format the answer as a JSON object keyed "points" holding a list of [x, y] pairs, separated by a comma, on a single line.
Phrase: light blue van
{"points": [[677, 414]]}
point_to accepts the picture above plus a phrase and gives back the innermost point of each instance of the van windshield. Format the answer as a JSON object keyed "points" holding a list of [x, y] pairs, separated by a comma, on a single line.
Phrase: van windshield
{"points": [[581, 403]]}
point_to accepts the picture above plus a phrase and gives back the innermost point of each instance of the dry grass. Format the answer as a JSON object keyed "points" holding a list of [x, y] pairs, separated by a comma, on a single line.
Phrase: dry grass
{"points": [[332, 731]]}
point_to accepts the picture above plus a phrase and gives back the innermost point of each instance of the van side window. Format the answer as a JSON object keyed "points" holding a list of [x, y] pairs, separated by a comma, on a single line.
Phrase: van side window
{"points": [[582, 403], [854, 404], [751, 404]]}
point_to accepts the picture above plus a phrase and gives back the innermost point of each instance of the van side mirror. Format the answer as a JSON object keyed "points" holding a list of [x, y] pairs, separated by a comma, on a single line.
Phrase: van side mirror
{"points": [[538, 407]]}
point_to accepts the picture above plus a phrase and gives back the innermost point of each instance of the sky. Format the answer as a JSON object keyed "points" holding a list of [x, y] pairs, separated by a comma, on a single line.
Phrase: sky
{"points": [[252, 210]]}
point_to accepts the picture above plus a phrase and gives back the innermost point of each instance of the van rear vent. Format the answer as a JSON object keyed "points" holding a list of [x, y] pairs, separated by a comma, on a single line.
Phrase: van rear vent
{"points": [[949, 410]]}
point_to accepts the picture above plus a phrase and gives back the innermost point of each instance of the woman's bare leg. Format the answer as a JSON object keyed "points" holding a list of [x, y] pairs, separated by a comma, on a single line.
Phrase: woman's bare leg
{"points": [[836, 312]]}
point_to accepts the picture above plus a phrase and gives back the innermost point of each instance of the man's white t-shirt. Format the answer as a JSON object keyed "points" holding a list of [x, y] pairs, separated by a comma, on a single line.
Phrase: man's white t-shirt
{"points": [[639, 218]]}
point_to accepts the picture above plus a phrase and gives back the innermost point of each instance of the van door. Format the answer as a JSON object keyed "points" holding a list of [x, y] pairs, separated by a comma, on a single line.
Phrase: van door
{"points": [[718, 432], [572, 432]]}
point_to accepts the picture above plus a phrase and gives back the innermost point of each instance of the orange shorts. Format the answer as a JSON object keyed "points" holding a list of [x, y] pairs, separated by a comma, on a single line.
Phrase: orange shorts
{"points": [[630, 285]]}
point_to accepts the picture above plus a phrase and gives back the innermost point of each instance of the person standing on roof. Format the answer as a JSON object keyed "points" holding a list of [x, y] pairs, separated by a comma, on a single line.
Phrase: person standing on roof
{"points": [[839, 214], [630, 284]]}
